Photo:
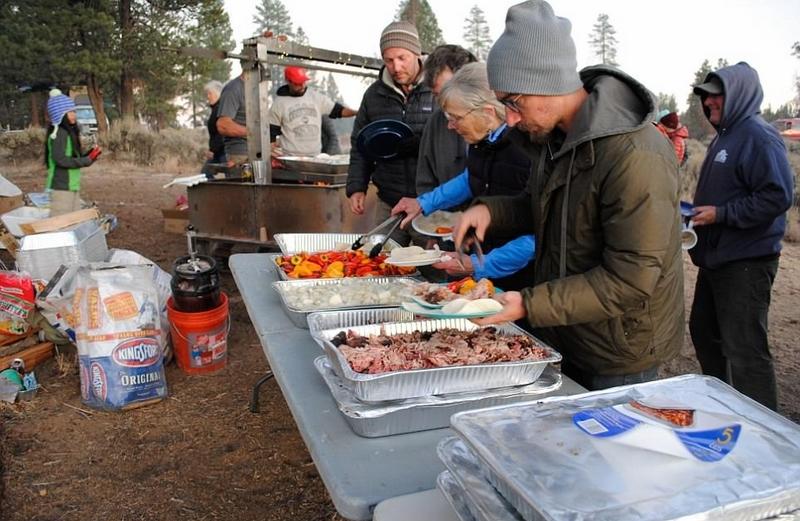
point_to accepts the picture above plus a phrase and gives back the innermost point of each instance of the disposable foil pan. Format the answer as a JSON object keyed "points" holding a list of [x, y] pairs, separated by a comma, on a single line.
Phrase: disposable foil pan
{"points": [[454, 496], [299, 317], [550, 470], [479, 496], [373, 420], [291, 243], [399, 385], [283, 276], [346, 319], [42, 254]]}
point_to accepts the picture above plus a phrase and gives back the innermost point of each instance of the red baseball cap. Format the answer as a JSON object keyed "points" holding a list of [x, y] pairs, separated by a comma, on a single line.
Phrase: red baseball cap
{"points": [[296, 75]]}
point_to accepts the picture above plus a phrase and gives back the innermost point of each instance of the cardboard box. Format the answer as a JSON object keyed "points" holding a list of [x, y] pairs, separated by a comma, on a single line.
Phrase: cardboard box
{"points": [[175, 220], [9, 203]]}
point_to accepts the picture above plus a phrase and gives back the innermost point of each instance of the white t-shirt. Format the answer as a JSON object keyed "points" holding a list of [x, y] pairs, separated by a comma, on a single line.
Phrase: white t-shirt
{"points": [[300, 119]]}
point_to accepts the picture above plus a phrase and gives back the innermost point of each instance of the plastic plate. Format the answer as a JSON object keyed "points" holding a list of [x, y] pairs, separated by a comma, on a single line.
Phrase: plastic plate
{"points": [[380, 139]]}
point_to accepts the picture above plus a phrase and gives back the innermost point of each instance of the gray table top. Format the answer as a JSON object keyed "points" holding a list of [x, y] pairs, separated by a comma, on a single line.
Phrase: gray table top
{"points": [[358, 472]]}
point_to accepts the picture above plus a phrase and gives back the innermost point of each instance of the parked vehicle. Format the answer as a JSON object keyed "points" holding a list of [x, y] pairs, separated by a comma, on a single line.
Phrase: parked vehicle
{"points": [[789, 128], [87, 119]]}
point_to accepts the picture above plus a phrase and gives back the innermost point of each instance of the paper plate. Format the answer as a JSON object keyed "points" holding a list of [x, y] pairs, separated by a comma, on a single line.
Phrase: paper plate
{"points": [[425, 224], [426, 304], [424, 261], [379, 140], [415, 308]]}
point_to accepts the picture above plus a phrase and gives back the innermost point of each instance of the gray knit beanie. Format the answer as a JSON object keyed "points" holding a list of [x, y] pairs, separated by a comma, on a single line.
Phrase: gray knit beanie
{"points": [[535, 54], [401, 34]]}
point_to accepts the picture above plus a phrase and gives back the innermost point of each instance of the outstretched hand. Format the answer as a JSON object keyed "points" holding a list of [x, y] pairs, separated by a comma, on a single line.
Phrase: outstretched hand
{"points": [[513, 309], [410, 206]]}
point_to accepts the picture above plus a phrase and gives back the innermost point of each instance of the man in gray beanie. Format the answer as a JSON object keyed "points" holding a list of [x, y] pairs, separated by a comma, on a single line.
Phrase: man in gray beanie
{"points": [[400, 94], [602, 201]]}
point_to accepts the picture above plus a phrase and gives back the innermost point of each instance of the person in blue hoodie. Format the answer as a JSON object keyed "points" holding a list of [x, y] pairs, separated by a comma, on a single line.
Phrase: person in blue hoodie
{"points": [[743, 193]]}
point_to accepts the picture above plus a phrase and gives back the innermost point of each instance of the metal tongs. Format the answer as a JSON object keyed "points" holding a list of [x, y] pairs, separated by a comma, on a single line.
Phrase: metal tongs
{"points": [[472, 238], [394, 220]]}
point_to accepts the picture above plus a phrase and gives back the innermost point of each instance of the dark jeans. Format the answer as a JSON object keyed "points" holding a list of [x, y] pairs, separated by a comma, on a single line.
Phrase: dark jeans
{"points": [[596, 382], [728, 325]]}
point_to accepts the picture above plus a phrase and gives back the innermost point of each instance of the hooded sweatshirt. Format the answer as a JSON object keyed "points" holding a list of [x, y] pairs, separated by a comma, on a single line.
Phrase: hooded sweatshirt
{"points": [[603, 203], [745, 175]]}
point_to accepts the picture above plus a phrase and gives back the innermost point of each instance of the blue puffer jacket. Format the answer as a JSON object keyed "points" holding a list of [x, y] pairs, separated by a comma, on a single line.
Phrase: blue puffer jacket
{"points": [[746, 175]]}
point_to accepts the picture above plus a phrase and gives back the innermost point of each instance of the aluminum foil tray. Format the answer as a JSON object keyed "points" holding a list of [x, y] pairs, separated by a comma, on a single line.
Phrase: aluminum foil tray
{"points": [[373, 420], [283, 276], [480, 497], [548, 469], [42, 254], [291, 243], [299, 317], [307, 164], [454, 496], [356, 317], [400, 385]]}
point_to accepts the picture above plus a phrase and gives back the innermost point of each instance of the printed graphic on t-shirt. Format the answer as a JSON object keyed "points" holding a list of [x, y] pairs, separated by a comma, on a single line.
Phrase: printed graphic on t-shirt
{"points": [[721, 156]]}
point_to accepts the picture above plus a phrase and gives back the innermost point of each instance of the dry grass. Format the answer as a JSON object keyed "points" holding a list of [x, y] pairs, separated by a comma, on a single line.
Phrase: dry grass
{"points": [[125, 142]]}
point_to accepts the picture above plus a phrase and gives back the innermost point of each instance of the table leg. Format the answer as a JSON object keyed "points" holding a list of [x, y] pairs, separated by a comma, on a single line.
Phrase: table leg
{"points": [[256, 389]]}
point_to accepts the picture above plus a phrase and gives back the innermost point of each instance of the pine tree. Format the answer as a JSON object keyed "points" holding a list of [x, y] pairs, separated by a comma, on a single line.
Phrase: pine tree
{"points": [[419, 13], [476, 33], [603, 41], [272, 16], [332, 90]]}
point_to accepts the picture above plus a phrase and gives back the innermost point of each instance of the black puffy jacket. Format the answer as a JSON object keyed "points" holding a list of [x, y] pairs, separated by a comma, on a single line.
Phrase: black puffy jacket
{"points": [[394, 178]]}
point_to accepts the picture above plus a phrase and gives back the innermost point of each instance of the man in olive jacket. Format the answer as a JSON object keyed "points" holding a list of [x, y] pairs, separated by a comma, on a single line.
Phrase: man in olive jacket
{"points": [[602, 202]]}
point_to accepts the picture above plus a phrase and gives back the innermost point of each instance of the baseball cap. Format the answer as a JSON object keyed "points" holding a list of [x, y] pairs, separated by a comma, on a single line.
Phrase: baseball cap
{"points": [[296, 75], [712, 85]]}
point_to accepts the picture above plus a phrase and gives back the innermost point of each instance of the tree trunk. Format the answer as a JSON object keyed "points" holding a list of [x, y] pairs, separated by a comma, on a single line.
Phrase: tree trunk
{"points": [[36, 113], [126, 108], [96, 98]]}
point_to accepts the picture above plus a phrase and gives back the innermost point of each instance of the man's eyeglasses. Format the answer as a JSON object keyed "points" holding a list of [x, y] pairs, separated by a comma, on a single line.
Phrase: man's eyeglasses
{"points": [[511, 102], [457, 119]]}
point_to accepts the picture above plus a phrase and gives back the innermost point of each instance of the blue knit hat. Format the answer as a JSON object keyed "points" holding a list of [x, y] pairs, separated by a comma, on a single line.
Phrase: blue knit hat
{"points": [[57, 106]]}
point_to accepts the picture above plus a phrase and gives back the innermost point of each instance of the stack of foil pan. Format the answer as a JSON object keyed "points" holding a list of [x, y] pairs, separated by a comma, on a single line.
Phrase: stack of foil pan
{"points": [[414, 383], [42, 254], [373, 420], [532, 462], [299, 317]]}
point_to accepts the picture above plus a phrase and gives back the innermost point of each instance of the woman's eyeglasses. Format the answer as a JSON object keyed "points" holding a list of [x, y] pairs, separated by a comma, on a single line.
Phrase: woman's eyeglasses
{"points": [[511, 102], [457, 119]]}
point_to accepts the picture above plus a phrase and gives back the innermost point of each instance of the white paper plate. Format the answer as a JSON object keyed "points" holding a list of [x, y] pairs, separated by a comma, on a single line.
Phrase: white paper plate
{"points": [[438, 313], [421, 222], [420, 261]]}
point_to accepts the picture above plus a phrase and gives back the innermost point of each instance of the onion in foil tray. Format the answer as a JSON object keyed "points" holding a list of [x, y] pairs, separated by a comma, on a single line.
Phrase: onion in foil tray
{"points": [[350, 293]]}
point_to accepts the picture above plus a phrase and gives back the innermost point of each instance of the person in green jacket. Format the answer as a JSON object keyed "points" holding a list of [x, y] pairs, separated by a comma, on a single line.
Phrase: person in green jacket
{"points": [[602, 201], [63, 155]]}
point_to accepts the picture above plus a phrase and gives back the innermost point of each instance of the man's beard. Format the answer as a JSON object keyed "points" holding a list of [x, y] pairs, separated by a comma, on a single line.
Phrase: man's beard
{"points": [[538, 137]]}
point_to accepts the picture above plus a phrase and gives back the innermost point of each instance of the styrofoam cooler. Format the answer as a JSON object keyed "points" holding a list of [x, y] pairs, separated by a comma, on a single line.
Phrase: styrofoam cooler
{"points": [[43, 253]]}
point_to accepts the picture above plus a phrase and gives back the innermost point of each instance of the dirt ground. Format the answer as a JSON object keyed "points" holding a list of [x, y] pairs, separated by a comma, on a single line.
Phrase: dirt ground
{"points": [[200, 454]]}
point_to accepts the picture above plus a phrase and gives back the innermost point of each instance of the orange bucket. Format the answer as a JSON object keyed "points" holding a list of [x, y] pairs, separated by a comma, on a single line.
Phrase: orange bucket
{"points": [[200, 340]]}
